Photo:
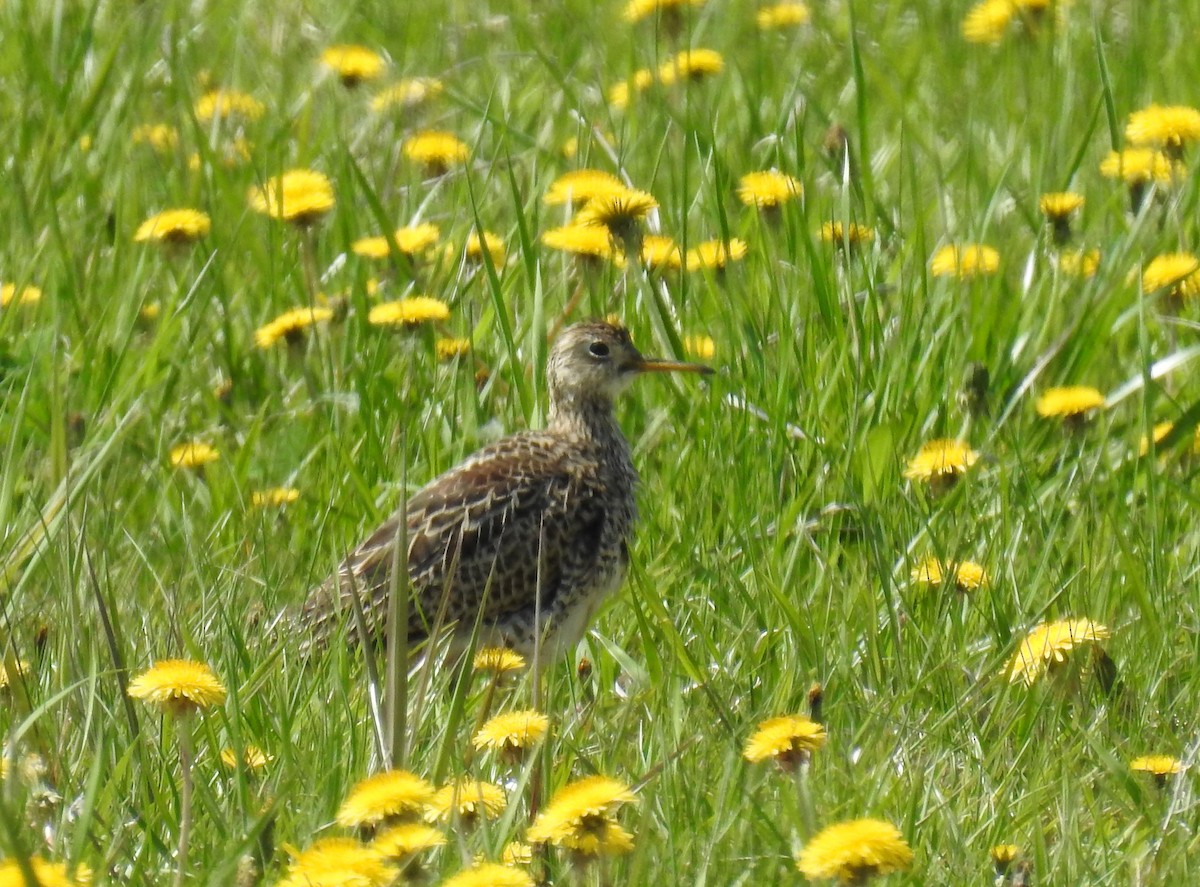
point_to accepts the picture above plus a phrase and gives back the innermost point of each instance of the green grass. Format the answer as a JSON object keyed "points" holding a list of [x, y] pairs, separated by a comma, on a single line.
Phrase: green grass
{"points": [[776, 540]]}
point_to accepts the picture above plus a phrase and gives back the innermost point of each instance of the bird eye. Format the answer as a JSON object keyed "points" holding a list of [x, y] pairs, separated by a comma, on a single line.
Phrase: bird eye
{"points": [[598, 349]]}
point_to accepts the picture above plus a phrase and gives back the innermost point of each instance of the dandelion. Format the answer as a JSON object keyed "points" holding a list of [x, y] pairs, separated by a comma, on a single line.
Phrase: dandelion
{"points": [[1158, 766], [448, 349], [619, 95], [479, 243], [226, 104], [1176, 273], [988, 21], [162, 138], [700, 347], [1139, 168], [1167, 127], [252, 758], [46, 874], [1049, 645], [436, 151], [659, 252], [940, 463], [412, 241], [715, 255], [579, 186], [1070, 402], [193, 454], [1079, 263], [512, 734], [497, 661], [517, 853], [353, 64], [20, 670], [407, 94], [580, 240], [855, 851], [779, 16], [1159, 433], [693, 65], [639, 10], [965, 261], [851, 235], [409, 312], [621, 212], [174, 226], [385, 797], [299, 196], [1058, 207], [26, 295], [1003, 856], [291, 326], [490, 874], [965, 576], [580, 818], [339, 861], [180, 688], [789, 741], [768, 189], [468, 800], [275, 497], [402, 842]]}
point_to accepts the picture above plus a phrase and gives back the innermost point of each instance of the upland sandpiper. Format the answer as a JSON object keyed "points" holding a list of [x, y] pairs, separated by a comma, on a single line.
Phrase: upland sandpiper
{"points": [[520, 543]]}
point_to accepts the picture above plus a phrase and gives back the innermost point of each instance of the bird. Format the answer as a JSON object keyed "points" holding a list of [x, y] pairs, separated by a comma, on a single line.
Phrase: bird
{"points": [[518, 545]]}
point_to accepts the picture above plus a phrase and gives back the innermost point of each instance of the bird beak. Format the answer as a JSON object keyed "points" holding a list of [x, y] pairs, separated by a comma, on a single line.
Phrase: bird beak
{"points": [[654, 365]]}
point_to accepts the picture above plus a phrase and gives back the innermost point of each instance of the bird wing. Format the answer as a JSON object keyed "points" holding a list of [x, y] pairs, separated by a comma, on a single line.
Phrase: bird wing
{"points": [[474, 536]]}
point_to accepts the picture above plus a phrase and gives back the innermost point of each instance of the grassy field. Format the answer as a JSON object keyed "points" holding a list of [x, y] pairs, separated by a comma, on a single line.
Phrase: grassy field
{"points": [[779, 534]]}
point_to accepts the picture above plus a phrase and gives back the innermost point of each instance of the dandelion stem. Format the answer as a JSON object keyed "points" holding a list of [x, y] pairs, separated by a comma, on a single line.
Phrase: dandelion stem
{"points": [[185, 796]]}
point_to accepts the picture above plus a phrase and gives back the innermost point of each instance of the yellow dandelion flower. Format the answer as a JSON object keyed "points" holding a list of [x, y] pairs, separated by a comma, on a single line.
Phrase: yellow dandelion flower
{"points": [[1159, 434], [580, 240], [620, 94], [855, 850], [782, 15], [47, 874], [497, 660], [451, 349], [517, 853], [787, 740], [21, 671], [940, 459], [1003, 856], [1177, 273], [160, 137], [965, 261], [617, 211], [513, 732], [988, 21], [252, 758], [409, 312], [1140, 166], [193, 454], [477, 244], [1069, 400], [300, 196], [839, 234], [1169, 127], [767, 189], [353, 64], [700, 347], [715, 254], [490, 874], [412, 240], [276, 497], [1059, 204], [691, 64], [965, 576], [1079, 263], [403, 841], [581, 813], [407, 94], [1158, 765], [467, 799], [27, 295], [384, 796], [638, 10], [178, 685], [579, 186], [226, 104], [436, 151], [660, 252], [174, 226], [291, 326], [343, 862], [1049, 644]]}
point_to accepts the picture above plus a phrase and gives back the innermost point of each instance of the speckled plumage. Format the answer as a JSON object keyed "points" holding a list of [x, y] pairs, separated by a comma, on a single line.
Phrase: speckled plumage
{"points": [[527, 536]]}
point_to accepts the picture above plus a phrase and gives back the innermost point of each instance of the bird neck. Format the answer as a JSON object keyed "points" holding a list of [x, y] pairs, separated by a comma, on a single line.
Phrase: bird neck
{"points": [[584, 416]]}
